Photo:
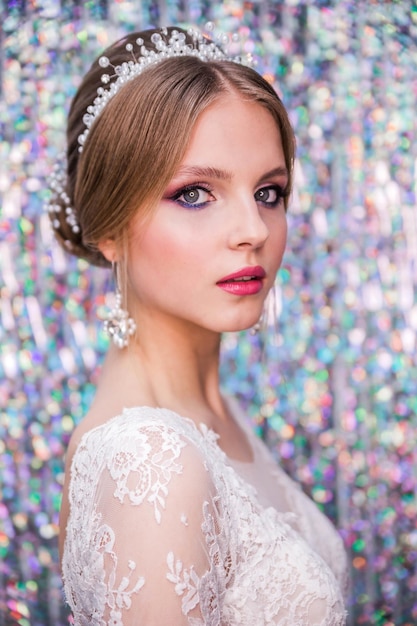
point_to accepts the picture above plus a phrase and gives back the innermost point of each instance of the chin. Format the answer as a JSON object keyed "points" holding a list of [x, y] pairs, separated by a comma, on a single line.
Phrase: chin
{"points": [[236, 327]]}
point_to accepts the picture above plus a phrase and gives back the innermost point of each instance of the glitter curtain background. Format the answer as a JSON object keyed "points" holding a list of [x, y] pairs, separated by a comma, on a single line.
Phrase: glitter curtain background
{"points": [[339, 397]]}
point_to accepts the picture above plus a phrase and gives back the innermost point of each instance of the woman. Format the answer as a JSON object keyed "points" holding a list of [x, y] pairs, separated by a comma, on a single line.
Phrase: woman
{"points": [[179, 172]]}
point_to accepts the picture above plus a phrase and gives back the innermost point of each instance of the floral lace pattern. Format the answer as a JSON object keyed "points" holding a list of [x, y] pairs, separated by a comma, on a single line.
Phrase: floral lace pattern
{"points": [[155, 507]]}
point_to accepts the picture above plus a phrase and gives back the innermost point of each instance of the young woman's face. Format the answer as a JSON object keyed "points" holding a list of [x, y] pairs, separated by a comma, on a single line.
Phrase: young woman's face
{"points": [[210, 253]]}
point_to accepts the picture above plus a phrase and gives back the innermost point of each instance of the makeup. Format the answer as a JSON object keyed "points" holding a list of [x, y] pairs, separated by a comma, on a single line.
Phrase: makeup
{"points": [[245, 282]]}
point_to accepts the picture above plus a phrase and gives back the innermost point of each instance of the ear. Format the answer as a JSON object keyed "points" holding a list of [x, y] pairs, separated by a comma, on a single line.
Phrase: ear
{"points": [[109, 250]]}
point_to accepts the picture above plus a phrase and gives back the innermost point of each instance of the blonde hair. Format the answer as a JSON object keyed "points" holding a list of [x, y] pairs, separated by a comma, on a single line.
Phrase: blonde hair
{"points": [[136, 145]]}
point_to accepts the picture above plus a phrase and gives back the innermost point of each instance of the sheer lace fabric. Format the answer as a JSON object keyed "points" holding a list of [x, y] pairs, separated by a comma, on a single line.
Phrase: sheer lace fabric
{"points": [[165, 530]]}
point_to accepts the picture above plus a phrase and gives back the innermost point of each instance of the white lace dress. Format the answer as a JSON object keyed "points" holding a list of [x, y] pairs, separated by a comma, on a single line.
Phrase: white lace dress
{"points": [[165, 530]]}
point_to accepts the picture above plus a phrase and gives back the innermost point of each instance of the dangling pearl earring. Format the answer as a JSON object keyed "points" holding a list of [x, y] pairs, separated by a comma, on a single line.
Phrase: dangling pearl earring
{"points": [[256, 328], [269, 308], [118, 325]]}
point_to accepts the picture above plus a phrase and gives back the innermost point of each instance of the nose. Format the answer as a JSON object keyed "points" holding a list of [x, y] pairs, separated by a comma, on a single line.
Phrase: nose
{"points": [[248, 228]]}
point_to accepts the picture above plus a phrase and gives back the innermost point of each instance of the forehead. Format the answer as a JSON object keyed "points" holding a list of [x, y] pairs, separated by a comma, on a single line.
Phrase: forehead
{"points": [[235, 129], [231, 111]]}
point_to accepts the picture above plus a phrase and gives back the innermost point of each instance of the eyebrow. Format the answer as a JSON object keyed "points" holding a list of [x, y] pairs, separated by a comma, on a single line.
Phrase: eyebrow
{"points": [[277, 171], [205, 172], [214, 172]]}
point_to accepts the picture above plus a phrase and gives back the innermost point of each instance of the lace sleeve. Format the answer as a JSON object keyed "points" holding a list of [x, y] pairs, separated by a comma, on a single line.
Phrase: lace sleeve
{"points": [[141, 545]]}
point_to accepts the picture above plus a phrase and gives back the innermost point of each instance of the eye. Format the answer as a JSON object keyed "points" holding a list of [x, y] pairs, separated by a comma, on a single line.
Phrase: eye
{"points": [[270, 196], [193, 196]]}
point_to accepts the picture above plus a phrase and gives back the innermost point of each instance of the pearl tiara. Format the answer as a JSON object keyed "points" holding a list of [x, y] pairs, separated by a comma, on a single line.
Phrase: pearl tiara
{"points": [[165, 45], [165, 48]]}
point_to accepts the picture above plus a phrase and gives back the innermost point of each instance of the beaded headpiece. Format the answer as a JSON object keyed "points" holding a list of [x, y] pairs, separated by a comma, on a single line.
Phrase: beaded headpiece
{"points": [[165, 45]]}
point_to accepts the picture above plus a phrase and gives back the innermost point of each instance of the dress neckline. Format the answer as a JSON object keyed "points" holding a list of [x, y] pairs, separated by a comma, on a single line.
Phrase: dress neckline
{"points": [[201, 428]]}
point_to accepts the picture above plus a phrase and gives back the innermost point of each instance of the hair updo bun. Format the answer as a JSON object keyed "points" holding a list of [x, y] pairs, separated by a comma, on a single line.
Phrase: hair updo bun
{"points": [[134, 147]]}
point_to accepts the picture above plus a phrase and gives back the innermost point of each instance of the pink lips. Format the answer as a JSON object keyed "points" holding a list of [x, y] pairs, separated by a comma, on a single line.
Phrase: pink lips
{"points": [[245, 282]]}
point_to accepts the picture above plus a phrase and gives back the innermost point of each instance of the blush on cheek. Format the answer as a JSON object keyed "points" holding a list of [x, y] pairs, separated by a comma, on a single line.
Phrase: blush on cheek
{"points": [[163, 251]]}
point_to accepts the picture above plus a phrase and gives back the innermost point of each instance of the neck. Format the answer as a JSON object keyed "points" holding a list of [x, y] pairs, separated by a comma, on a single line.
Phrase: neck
{"points": [[170, 364]]}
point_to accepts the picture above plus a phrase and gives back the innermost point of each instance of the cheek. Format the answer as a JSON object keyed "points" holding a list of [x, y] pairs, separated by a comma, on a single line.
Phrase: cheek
{"points": [[165, 249], [278, 238], [284, 230]]}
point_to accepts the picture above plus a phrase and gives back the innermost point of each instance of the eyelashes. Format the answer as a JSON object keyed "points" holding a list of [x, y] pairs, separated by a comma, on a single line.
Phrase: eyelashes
{"points": [[270, 196], [198, 196]]}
